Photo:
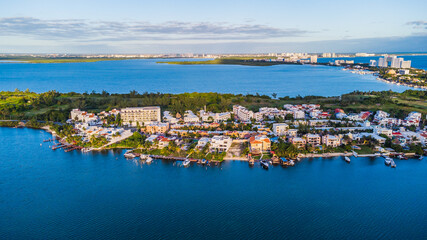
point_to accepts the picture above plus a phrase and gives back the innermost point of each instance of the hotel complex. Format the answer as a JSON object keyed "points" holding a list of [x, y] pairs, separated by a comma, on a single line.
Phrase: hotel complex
{"points": [[140, 115]]}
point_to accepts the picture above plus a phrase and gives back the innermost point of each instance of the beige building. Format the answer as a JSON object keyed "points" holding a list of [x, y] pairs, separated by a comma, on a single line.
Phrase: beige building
{"points": [[331, 140], [298, 142], [260, 144], [156, 127], [140, 115], [313, 139]]}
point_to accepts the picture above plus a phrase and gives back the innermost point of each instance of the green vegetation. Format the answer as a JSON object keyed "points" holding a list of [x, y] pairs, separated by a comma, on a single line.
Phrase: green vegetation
{"points": [[246, 61], [9, 123], [416, 77], [54, 106]]}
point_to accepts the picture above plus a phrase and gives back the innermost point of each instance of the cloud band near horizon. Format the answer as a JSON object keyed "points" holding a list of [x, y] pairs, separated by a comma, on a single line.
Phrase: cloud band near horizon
{"points": [[85, 30]]}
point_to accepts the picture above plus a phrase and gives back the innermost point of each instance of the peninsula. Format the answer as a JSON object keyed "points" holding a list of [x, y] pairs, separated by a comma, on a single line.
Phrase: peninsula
{"points": [[218, 127]]}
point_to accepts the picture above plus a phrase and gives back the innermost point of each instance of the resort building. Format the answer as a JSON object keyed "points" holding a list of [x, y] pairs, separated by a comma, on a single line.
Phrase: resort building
{"points": [[82, 116], [280, 129], [220, 143], [167, 117], [292, 132], [156, 127], [163, 142], [385, 131], [298, 142], [313, 139], [202, 142], [413, 119], [214, 117], [299, 114], [242, 113], [331, 141], [140, 115], [259, 144], [190, 117]]}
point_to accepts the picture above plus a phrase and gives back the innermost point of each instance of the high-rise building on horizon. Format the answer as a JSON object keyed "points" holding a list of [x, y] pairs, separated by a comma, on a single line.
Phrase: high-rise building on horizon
{"points": [[313, 59], [405, 64]]}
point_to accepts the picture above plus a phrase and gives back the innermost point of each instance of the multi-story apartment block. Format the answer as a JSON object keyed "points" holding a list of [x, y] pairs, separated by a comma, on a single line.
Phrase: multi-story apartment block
{"points": [[141, 115]]}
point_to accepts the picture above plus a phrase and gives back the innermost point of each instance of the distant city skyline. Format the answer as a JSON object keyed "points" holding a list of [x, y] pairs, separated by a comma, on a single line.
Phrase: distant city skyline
{"points": [[219, 27]]}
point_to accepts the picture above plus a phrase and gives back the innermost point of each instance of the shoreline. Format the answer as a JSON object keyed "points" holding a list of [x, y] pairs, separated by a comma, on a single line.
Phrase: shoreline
{"points": [[242, 159]]}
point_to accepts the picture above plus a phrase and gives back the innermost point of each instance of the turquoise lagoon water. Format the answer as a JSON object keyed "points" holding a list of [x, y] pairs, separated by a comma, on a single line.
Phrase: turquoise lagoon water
{"points": [[148, 76], [47, 194]]}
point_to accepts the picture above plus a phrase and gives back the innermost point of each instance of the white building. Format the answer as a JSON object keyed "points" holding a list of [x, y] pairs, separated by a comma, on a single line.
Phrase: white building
{"points": [[82, 116], [280, 129], [379, 115], [413, 119], [214, 117], [242, 113], [405, 64], [202, 142], [190, 117], [382, 62], [331, 140], [299, 114], [372, 63], [220, 143], [403, 71], [167, 117], [385, 131], [396, 62]]}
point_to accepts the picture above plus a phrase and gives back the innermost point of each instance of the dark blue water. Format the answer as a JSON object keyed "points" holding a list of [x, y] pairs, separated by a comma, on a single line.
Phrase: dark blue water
{"points": [[47, 194], [147, 75], [416, 61]]}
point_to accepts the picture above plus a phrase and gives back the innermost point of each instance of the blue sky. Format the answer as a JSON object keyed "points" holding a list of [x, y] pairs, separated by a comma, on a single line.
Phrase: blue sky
{"points": [[130, 26]]}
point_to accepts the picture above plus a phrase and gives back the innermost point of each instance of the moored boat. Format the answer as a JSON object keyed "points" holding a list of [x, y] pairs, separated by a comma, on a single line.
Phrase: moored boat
{"points": [[347, 159], [264, 164], [355, 154], [186, 163], [387, 161], [148, 159], [393, 164], [129, 155]]}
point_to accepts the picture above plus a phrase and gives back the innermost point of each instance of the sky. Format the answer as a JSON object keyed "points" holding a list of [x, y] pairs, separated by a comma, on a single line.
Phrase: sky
{"points": [[189, 26]]}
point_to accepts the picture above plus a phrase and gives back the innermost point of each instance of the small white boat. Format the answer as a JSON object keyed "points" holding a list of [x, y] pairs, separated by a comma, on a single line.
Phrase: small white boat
{"points": [[347, 159], [387, 161], [420, 158], [129, 155], [291, 163], [148, 159], [264, 164], [186, 163], [393, 164], [85, 150], [355, 154], [400, 157]]}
